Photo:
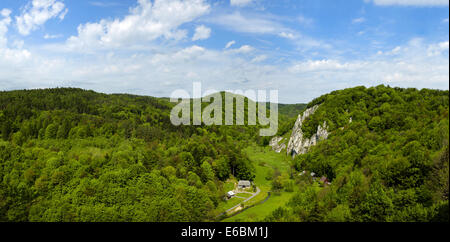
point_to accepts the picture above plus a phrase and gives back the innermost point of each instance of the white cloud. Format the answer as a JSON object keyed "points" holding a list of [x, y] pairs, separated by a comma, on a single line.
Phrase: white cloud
{"points": [[14, 56], [160, 72], [54, 36], [259, 58], [201, 32], [18, 44], [438, 49], [5, 12], [324, 65], [287, 35], [394, 51], [245, 49], [240, 3], [415, 64], [37, 12], [267, 25], [250, 23], [420, 3], [358, 20], [5, 21], [146, 22], [189, 53], [165, 66], [229, 44], [305, 21], [63, 14], [9, 56]]}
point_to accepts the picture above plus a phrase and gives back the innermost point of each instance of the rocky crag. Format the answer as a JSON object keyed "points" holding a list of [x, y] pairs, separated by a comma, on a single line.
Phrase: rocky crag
{"points": [[276, 145], [298, 144]]}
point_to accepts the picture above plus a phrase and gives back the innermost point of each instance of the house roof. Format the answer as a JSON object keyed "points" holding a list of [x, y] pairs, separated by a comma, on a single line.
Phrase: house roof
{"points": [[244, 183], [230, 193]]}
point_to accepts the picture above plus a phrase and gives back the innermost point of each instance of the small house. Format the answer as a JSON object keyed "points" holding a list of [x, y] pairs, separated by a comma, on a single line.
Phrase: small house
{"points": [[244, 184], [230, 194]]}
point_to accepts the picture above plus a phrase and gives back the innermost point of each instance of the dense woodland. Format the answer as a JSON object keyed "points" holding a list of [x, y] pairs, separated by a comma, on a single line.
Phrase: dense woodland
{"points": [[387, 158], [74, 155]]}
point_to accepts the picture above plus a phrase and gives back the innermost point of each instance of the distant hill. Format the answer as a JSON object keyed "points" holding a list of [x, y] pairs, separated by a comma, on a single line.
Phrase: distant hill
{"points": [[291, 110]]}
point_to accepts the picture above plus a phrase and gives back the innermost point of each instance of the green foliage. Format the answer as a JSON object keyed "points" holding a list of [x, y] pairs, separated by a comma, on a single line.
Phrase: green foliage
{"points": [[390, 163], [207, 172], [75, 155]]}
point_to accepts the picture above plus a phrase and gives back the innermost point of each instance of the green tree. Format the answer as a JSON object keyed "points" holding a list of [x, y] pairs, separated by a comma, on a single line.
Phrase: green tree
{"points": [[207, 171], [51, 131]]}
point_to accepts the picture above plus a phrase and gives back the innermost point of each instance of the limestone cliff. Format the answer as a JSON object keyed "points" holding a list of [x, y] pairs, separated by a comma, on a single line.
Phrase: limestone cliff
{"points": [[276, 145], [298, 144]]}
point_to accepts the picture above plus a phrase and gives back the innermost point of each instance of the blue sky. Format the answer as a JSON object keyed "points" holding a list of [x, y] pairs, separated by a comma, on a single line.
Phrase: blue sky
{"points": [[302, 48]]}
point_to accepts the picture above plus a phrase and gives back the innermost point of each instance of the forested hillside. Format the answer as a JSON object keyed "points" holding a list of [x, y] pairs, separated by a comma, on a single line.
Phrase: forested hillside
{"points": [[386, 158], [75, 155]]}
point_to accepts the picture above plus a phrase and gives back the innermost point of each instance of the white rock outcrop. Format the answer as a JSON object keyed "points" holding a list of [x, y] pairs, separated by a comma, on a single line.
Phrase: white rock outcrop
{"points": [[298, 144], [275, 144]]}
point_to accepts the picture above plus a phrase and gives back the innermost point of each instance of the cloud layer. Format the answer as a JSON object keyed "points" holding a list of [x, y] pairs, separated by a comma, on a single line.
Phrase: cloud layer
{"points": [[38, 12], [146, 22], [163, 45], [5, 21]]}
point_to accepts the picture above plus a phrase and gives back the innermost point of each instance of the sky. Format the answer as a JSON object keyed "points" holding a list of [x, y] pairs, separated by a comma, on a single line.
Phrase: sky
{"points": [[302, 48]]}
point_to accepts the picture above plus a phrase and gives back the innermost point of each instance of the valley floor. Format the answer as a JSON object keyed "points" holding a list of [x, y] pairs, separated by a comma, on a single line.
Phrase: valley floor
{"points": [[263, 204]]}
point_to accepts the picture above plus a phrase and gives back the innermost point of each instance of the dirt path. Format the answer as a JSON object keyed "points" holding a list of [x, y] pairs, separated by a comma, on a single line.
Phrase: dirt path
{"points": [[243, 210], [254, 194]]}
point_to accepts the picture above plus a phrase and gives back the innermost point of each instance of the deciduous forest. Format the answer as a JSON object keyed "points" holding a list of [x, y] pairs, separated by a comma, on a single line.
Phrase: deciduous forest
{"points": [[75, 155]]}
